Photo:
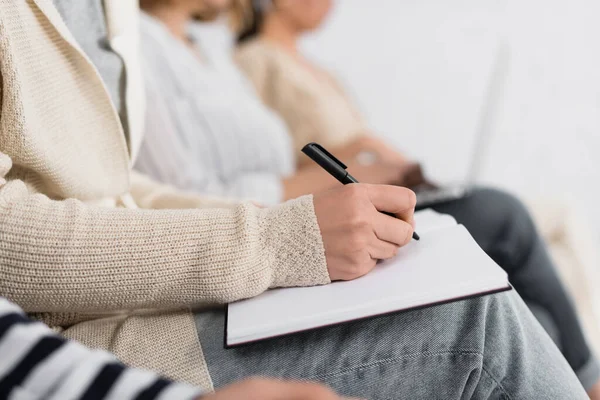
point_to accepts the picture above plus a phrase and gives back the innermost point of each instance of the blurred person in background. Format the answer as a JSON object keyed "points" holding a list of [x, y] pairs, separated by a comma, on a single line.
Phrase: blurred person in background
{"points": [[117, 261], [205, 123], [313, 104], [206, 128]]}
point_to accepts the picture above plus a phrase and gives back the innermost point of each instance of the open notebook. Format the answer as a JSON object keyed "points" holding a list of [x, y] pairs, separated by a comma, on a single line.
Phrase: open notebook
{"points": [[445, 265]]}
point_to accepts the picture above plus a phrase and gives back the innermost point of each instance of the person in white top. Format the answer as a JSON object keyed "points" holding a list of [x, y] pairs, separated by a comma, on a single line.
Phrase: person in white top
{"points": [[208, 131]]}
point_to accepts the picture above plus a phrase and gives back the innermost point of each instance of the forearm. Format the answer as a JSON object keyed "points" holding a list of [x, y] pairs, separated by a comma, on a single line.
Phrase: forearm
{"points": [[308, 179], [150, 194], [263, 187], [40, 364], [379, 150], [58, 256]]}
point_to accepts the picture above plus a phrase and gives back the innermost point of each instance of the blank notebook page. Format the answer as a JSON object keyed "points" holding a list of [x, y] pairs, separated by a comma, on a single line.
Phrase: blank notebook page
{"points": [[446, 264], [429, 220]]}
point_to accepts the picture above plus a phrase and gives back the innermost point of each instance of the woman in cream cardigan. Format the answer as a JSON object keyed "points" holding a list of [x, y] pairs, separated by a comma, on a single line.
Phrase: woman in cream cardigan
{"points": [[77, 253]]}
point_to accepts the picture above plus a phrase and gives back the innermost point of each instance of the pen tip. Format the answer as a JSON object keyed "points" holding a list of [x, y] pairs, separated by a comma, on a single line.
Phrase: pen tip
{"points": [[416, 236]]}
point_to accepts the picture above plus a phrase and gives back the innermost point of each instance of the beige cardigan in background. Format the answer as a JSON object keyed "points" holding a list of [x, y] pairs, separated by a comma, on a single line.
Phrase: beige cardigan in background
{"points": [[317, 109], [67, 251], [311, 102]]}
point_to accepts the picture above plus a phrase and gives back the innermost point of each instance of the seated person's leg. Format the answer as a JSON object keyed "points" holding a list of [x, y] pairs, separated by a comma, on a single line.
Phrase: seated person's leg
{"points": [[480, 348], [546, 321], [504, 229]]}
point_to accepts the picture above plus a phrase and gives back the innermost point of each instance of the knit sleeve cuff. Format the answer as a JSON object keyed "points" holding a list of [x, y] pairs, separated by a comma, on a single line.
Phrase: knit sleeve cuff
{"points": [[292, 236]]}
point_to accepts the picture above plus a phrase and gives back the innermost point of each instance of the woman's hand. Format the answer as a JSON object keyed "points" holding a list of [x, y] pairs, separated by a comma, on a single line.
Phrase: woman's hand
{"points": [[378, 173], [371, 151], [270, 389], [356, 233], [313, 179], [381, 151]]}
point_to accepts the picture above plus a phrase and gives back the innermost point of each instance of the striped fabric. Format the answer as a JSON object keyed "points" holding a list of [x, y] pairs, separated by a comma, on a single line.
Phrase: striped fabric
{"points": [[206, 129], [36, 363]]}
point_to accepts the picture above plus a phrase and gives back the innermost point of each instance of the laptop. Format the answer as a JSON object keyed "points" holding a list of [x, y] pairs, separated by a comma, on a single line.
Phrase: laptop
{"points": [[427, 196]]}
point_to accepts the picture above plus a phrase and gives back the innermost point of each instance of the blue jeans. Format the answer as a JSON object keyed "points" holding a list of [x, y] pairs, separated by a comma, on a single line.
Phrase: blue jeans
{"points": [[482, 348], [503, 228]]}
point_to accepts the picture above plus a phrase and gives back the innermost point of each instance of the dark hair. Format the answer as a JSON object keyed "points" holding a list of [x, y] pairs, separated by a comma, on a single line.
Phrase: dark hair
{"points": [[252, 23]]}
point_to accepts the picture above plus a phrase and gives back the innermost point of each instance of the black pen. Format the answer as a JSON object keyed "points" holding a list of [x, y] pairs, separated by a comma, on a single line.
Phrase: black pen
{"points": [[335, 167]]}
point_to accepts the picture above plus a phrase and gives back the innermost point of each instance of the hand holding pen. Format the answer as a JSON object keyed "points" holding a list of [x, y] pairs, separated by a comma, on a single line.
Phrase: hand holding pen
{"points": [[355, 231], [336, 168]]}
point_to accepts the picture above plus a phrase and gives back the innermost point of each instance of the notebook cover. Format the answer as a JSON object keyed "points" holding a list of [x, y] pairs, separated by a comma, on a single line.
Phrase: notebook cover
{"points": [[452, 300]]}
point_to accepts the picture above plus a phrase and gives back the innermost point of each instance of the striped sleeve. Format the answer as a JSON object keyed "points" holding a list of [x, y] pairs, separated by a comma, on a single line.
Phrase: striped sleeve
{"points": [[36, 363]]}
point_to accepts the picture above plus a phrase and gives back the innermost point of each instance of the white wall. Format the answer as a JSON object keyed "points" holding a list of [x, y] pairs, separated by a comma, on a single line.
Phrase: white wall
{"points": [[419, 69]]}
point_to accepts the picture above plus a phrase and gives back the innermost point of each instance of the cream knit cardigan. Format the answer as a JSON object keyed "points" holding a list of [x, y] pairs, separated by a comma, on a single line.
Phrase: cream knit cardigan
{"points": [[117, 278]]}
